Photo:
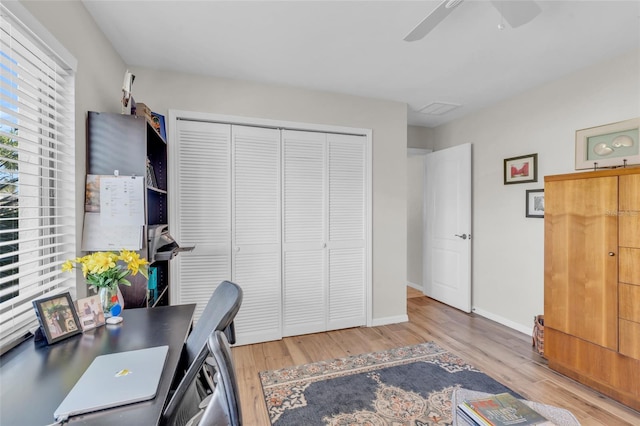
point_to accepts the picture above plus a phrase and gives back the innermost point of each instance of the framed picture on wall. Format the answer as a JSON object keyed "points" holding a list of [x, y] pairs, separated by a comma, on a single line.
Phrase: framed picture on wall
{"points": [[521, 169], [535, 203], [611, 145]]}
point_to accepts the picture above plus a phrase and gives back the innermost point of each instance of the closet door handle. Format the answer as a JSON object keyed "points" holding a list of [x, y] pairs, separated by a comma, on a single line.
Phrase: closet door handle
{"points": [[611, 253], [237, 249]]}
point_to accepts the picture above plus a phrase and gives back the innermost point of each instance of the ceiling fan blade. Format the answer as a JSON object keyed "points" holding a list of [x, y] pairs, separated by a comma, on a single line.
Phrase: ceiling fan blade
{"points": [[517, 13], [432, 20]]}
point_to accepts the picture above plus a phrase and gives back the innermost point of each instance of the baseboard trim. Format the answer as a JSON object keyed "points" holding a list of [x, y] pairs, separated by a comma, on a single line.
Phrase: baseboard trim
{"points": [[389, 320], [414, 285], [507, 323]]}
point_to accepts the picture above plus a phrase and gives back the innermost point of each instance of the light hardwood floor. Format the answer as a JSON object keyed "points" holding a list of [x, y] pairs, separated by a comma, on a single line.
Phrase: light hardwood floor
{"points": [[500, 352]]}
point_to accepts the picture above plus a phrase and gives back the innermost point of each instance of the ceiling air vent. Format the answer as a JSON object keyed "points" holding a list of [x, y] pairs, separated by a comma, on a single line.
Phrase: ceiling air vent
{"points": [[438, 108]]}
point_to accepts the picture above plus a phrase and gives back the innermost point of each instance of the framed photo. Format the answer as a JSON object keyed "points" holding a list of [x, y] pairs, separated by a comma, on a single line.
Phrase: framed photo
{"points": [[611, 145], [90, 314], [535, 203], [521, 169], [57, 316]]}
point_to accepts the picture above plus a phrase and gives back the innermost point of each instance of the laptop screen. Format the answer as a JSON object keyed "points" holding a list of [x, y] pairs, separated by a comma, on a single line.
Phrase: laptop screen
{"points": [[115, 379]]}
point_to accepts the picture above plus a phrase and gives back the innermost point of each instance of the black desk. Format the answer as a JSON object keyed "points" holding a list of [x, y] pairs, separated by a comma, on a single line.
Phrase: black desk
{"points": [[35, 378]]}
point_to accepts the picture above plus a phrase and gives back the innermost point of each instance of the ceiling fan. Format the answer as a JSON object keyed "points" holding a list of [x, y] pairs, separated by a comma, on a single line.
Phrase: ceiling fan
{"points": [[516, 13]]}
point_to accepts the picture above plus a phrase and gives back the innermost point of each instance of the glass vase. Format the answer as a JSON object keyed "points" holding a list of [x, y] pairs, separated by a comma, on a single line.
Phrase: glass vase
{"points": [[111, 300]]}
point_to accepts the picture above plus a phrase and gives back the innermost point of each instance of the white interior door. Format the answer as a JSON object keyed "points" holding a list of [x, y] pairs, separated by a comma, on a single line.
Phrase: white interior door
{"points": [[447, 275], [203, 197], [346, 230], [256, 232], [304, 277]]}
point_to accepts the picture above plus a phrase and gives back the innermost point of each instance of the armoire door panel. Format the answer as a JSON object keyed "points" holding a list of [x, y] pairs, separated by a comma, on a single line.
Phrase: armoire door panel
{"points": [[203, 196], [629, 296], [304, 292], [630, 266], [629, 211], [581, 276]]}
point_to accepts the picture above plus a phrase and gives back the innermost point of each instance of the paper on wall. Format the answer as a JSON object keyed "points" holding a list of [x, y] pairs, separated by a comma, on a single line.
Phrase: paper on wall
{"points": [[97, 236], [122, 201]]}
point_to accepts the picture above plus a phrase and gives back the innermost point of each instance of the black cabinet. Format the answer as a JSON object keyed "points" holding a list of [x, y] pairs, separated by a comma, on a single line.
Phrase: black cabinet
{"points": [[129, 145]]}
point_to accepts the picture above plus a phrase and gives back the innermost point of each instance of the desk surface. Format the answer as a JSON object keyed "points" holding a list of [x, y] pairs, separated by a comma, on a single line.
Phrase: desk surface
{"points": [[35, 378]]}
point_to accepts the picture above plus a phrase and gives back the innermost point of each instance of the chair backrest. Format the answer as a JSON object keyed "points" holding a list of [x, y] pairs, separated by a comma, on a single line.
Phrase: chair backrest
{"points": [[224, 407], [218, 315]]}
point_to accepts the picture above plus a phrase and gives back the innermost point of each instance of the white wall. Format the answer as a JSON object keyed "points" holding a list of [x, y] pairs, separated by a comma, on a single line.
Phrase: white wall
{"points": [[508, 248], [420, 137]]}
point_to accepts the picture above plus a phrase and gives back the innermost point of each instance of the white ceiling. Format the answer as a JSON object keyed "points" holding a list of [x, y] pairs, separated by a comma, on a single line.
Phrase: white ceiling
{"points": [[357, 47]]}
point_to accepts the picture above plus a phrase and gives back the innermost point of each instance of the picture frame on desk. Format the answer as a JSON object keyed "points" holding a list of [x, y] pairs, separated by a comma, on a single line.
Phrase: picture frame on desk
{"points": [[90, 313], [57, 316], [157, 121]]}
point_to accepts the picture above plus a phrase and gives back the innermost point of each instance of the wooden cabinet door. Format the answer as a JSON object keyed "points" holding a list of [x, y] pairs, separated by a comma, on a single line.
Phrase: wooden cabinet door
{"points": [[581, 278], [629, 211], [629, 235]]}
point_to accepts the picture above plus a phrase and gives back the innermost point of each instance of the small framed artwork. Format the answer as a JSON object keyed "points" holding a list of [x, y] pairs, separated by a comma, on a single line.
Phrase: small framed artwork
{"points": [[57, 316], [157, 121], [90, 314], [611, 145], [535, 203], [521, 169]]}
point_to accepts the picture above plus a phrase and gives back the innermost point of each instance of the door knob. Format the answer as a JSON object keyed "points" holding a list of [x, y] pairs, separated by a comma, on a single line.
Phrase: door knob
{"points": [[611, 253], [463, 236]]}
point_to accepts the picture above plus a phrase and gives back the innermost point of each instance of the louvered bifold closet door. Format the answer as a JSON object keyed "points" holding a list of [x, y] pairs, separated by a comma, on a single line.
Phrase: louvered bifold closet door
{"points": [[304, 232], [204, 205], [256, 236], [347, 221]]}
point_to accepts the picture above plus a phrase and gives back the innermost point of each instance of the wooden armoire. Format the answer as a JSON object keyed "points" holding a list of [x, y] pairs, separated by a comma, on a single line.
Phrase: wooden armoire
{"points": [[592, 280]]}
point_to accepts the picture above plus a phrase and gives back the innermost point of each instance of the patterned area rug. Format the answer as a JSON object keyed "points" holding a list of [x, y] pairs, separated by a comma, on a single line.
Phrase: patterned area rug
{"points": [[410, 386]]}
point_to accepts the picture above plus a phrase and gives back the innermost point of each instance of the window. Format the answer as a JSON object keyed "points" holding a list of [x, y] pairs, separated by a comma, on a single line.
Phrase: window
{"points": [[37, 174]]}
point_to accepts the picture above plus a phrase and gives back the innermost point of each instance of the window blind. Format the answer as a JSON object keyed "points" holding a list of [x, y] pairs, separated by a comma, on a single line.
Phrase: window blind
{"points": [[37, 174]]}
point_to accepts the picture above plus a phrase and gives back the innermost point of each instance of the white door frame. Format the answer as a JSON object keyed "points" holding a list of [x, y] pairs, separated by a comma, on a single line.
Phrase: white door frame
{"points": [[175, 115], [419, 152]]}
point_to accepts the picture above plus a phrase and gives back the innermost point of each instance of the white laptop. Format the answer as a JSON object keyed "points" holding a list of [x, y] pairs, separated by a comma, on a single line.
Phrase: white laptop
{"points": [[115, 379]]}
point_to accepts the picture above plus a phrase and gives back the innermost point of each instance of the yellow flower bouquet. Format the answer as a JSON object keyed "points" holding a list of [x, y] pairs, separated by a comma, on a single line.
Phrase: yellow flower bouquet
{"points": [[108, 269]]}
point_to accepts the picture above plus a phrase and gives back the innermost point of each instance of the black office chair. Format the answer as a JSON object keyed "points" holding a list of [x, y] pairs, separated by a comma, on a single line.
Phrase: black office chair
{"points": [[223, 409], [221, 309], [218, 315]]}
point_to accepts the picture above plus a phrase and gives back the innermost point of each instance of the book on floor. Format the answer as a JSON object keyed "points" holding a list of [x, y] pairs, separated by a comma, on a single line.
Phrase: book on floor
{"points": [[501, 410]]}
